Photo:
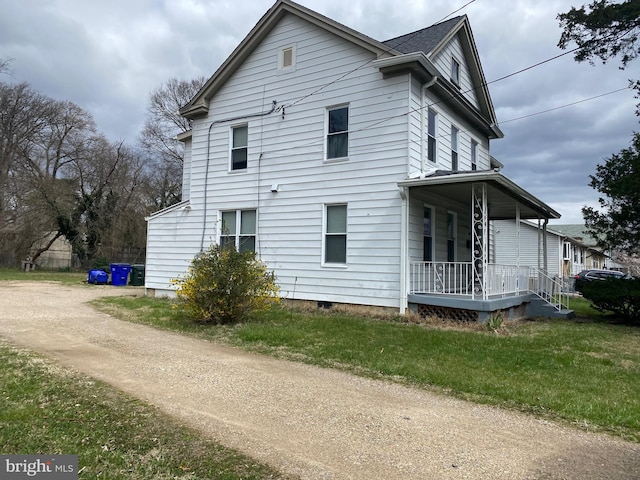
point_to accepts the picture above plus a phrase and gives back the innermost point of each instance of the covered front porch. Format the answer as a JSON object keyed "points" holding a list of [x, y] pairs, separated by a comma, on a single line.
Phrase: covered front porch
{"points": [[450, 269]]}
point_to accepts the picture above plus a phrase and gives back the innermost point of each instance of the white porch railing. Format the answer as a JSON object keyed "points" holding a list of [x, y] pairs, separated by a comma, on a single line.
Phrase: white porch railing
{"points": [[456, 278]]}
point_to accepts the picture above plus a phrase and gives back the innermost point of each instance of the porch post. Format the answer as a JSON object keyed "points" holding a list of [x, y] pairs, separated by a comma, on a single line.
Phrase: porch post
{"points": [[480, 230], [517, 248], [404, 255]]}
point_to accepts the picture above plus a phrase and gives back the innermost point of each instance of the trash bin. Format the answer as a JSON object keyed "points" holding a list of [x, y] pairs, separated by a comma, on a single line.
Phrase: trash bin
{"points": [[137, 276], [98, 277], [119, 274]]}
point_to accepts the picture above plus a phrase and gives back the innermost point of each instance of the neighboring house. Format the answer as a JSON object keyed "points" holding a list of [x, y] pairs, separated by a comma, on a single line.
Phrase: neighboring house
{"points": [[566, 256], [596, 257], [59, 255], [358, 170]]}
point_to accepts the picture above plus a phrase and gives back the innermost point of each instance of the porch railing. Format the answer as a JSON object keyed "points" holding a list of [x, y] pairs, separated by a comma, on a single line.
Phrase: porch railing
{"points": [[456, 278]]}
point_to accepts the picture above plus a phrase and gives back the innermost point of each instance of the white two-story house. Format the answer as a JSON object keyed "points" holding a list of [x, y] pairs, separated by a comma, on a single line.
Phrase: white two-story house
{"points": [[358, 170]]}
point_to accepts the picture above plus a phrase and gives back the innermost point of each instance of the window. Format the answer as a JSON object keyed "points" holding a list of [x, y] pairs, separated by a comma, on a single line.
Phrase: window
{"points": [[239, 230], [432, 118], [287, 58], [566, 251], [338, 133], [474, 155], [239, 140], [451, 236], [335, 242], [427, 234], [455, 71], [454, 148]]}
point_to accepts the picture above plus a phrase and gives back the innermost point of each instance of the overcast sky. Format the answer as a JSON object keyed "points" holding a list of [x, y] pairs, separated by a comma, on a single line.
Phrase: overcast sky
{"points": [[108, 55]]}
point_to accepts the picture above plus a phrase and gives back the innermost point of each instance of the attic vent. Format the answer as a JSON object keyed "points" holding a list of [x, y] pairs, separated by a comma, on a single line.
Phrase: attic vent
{"points": [[286, 58]]}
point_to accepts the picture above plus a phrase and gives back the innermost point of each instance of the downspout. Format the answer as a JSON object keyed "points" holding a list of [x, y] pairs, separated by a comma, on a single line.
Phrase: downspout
{"points": [[206, 170], [427, 85], [404, 235]]}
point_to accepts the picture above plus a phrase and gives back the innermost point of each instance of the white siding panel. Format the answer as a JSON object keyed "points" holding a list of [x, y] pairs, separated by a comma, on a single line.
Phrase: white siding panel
{"points": [[443, 62]]}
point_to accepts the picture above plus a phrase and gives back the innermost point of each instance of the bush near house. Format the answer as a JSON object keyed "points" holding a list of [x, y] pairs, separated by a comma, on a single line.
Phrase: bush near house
{"points": [[619, 296], [225, 286]]}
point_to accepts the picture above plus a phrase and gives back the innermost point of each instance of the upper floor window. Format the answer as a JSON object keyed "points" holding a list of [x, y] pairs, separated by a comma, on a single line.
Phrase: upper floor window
{"points": [[432, 119], [474, 155], [239, 142], [455, 71], [239, 230], [287, 57], [338, 132], [335, 235], [454, 148]]}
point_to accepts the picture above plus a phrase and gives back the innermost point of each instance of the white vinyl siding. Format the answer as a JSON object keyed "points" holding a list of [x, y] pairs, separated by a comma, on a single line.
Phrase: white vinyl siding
{"points": [[442, 61]]}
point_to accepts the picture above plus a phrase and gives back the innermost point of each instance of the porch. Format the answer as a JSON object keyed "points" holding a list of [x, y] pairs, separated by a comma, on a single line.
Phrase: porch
{"points": [[448, 289], [450, 269]]}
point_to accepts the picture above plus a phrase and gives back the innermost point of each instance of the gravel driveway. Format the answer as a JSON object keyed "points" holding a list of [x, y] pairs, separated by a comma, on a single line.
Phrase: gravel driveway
{"points": [[311, 422]]}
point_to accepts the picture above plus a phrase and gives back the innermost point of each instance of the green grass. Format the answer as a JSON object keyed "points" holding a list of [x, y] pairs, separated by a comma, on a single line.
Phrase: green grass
{"points": [[50, 410], [585, 371], [67, 278]]}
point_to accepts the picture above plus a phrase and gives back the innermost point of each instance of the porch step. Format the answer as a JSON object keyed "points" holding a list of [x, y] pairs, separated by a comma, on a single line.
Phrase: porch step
{"points": [[538, 307]]}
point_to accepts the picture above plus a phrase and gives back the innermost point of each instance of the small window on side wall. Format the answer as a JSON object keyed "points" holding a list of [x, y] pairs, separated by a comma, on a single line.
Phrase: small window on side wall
{"points": [[455, 72], [239, 143], [287, 58], [335, 241], [338, 133]]}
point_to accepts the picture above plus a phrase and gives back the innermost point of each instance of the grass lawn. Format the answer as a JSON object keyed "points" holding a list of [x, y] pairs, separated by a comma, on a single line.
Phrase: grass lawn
{"points": [[50, 410], [585, 371], [67, 278]]}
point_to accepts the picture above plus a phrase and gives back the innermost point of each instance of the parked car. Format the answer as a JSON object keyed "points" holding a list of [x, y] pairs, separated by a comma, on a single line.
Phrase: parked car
{"points": [[591, 275]]}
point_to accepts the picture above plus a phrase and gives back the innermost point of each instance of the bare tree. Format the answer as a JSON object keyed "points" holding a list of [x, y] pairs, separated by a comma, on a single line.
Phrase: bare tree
{"points": [[158, 138]]}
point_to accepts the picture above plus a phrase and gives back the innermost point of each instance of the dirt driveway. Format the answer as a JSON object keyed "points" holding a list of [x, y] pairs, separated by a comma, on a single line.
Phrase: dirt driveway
{"points": [[307, 421]]}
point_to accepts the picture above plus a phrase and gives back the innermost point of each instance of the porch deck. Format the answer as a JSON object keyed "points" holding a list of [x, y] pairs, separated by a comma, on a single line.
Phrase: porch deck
{"points": [[512, 291]]}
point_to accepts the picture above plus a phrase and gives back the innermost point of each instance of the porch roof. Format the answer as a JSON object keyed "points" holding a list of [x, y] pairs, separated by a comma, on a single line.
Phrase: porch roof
{"points": [[502, 193]]}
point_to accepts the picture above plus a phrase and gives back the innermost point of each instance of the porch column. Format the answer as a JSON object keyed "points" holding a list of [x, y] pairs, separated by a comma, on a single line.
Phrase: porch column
{"points": [[480, 234]]}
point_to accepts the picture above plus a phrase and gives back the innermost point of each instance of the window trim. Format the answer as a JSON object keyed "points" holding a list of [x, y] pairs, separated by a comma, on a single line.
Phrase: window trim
{"points": [[474, 155], [281, 53], [432, 227], [455, 135], [232, 148], [432, 135], [238, 235], [454, 238], [455, 71], [328, 111], [325, 234]]}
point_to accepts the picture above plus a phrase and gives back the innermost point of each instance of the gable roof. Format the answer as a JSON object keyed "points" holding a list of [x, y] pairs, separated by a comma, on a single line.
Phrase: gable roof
{"points": [[424, 40], [411, 53]]}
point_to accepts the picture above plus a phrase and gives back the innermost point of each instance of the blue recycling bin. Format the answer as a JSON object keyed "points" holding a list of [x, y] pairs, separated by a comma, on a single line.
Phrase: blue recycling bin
{"points": [[119, 274], [98, 277]]}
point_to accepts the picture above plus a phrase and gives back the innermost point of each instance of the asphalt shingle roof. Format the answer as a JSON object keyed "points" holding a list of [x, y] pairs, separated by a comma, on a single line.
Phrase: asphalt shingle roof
{"points": [[423, 40]]}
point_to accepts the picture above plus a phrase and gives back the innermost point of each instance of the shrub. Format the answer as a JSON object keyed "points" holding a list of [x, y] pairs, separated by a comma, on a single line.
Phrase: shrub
{"points": [[619, 296], [224, 286]]}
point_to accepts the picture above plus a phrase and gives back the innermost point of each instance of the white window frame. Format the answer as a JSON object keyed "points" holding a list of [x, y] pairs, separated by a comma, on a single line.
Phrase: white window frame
{"points": [[432, 229], [474, 155], [325, 234], [281, 57], [452, 236], [233, 148], [432, 135], [238, 235], [455, 140], [342, 132], [455, 71], [566, 250]]}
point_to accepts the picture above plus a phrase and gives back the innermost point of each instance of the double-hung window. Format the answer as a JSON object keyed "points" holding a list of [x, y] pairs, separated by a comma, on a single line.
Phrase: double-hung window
{"points": [[432, 119], [474, 155], [239, 143], [239, 230], [338, 132], [335, 236], [454, 148], [427, 234]]}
